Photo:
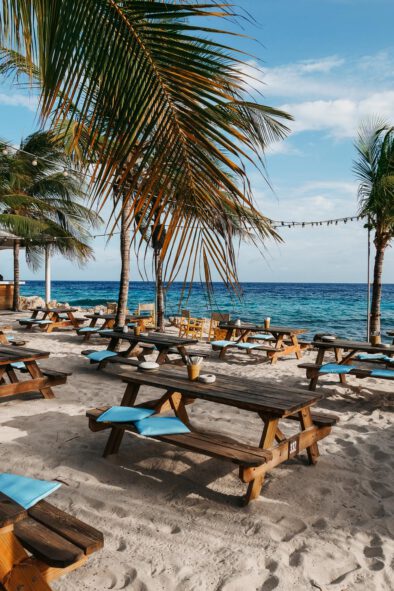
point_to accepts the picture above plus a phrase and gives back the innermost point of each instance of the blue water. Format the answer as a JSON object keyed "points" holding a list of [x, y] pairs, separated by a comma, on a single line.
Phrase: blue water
{"points": [[319, 307]]}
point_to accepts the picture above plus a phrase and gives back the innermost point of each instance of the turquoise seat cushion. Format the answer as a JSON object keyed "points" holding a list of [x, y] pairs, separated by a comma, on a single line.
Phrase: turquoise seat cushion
{"points": [[382, 373], [247, 346], [222, 343], [161, 426], [42, 321], [104, 330], [261, 337], [10, 337], [18, 365], [100, 355], [63, 316], [88, 329], [124, 414], [336, 368], [372, 357], [26, 491], [131, 324]]}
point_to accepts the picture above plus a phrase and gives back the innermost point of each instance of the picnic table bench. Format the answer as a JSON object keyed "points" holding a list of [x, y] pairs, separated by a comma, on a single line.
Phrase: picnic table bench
{"points": [[41, 544], [14, 359], [50, 318], [145, 344], [276, 341], [345, 352], [271, 402], [391, 334], [107, 323]]}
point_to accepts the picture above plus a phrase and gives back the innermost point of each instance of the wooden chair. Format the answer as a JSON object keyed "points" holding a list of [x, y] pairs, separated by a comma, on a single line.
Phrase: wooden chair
{"points": [[150, 321], [41, 544], [191, 327], [215, 333]]}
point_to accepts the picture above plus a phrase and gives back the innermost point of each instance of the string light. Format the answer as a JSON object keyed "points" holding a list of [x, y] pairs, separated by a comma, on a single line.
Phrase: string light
{"points": [[34, 162]]}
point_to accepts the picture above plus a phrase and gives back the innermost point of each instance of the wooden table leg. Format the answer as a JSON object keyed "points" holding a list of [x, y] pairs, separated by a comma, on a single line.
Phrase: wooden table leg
{"points": [[296, 344], [223, 352], [319, 361], [178, 406], [339, 359], [35, 373], [116, 436], [162, 356], [306, 423], [267, 439]]}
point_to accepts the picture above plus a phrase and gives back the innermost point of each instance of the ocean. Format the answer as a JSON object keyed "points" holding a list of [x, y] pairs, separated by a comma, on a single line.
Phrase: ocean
{"points": [[338, 308]]}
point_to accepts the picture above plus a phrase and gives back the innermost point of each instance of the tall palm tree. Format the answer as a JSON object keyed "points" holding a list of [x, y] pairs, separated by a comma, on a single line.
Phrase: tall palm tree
{"points": [[374, 168], [42, 203], [144, 76]]}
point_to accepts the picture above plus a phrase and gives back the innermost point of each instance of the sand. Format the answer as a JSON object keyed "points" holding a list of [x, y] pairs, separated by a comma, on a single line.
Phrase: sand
{"points": [[170, 517]]}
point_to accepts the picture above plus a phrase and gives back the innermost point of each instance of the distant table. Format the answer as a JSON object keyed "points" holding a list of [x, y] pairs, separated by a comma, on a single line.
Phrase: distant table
{"points": [[271, 402], [281, 336], [391, 334], [107, 322], [41, 380], [50, 318], [350, 348], [162, 342]]}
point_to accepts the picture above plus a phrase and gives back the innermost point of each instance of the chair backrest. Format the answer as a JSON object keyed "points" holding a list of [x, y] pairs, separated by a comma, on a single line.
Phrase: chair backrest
{"points": [[148, 308], [185, 314], [216, 318], [112, 307]]}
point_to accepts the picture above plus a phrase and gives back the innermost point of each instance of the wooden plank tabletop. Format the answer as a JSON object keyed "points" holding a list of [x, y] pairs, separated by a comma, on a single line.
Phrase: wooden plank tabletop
{"points": [[260, 327], [54, 310], [353, 345], [113, 316], [153, 338], [11, 354], [255, 395]]}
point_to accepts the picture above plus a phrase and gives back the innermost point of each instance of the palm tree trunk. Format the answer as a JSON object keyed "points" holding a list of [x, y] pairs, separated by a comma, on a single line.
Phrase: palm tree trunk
{"points": [[159, 291], [125, 243], [377, 286], [15, 304]]}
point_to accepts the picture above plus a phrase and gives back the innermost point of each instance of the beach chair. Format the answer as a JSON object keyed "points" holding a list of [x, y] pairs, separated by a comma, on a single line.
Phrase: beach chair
{"points": [[191, 327], [41, 543], [150, 311], [215, 333]]}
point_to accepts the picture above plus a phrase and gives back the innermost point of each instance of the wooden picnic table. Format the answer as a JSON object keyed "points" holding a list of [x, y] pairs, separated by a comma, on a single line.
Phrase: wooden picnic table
{"points": [[285, 338], [41, 380], [162, 342], [271, 402], [391, 334], [40, 544], [50, 318], [108, 322], [344, 351]]}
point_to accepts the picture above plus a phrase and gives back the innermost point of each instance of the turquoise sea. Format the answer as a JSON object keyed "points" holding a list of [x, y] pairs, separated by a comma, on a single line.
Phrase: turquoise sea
{"points": [[319, 307]]}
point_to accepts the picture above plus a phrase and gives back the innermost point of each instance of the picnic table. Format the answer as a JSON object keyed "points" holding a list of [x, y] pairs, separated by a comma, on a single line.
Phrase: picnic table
{"points": [[391, 334], [50, 318], [14, 359], [40, 544], [107, 323], [285, 338], [345, 351], [146, 343], [271, 402]]}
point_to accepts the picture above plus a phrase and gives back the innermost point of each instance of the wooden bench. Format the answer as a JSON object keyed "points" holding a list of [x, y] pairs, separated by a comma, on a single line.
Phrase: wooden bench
{"points": [[41, 544], [313, 373]]}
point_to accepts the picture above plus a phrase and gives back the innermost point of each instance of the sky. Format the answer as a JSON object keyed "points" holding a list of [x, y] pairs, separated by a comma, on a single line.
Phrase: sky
{"points": [[330, 64]]}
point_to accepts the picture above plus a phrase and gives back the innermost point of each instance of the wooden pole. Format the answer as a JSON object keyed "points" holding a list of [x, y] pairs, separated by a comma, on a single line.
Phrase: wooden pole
{"points": [[47, 274], [369, 283]]}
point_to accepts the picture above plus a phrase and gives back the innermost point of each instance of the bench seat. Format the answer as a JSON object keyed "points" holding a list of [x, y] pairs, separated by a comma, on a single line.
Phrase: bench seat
{"points": [[313, 370]]}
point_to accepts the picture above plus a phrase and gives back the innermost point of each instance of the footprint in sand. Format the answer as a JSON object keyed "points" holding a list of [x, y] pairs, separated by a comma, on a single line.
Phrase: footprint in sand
{"points": [[270, 584], [374, 554], [296, 558]]}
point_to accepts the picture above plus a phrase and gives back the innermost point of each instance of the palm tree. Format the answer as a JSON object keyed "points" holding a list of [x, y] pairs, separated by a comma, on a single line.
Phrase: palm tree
{"points": [[41, 202], [172, 108], [374, 168]]}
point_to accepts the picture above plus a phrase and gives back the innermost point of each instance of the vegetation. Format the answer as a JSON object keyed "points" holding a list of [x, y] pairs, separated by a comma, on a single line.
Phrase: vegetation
{"points": [[374, 168]]}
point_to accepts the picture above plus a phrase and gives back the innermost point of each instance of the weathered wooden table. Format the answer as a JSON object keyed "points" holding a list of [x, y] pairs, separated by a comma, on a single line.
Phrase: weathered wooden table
{"points": [[163, 343], [107, 323], [344, 351], [41, 544], [41, 380], [50, 318], [285, 338], [271, 402]]}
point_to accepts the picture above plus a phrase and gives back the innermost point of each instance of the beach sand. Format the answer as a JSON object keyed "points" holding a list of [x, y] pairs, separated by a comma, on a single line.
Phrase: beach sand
{"points": [[171, 518]]}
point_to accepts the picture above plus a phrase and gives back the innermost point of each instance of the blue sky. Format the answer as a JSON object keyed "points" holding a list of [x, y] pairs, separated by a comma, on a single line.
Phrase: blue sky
{"points": [[330, 64]]}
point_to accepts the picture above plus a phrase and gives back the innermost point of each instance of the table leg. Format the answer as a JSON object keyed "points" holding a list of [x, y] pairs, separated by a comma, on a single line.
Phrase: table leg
{"points": [[307, 423], [178, 406], [162, 356], [117, 433], [319, 361], [339, 359], [223, 352], [36, 373], [296, 344], [92, 324], [267, 439]]}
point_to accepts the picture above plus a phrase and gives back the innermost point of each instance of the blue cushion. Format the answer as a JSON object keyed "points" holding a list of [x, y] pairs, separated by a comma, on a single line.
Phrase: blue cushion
{"points": [[145, 313], [247, 345], [222, 343], [63, 316], [382, 373], [124, 414], [132, 325], [161, 426], [10, 337], [88, 329], [43, 321], [372, 357], [18, 365], [336, 368], [100, 355], [26, 491], [261, 337]]}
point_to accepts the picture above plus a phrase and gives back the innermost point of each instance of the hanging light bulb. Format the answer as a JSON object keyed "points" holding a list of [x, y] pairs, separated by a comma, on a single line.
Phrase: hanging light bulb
{"points": [[5, 152], [34, 162], [65, 172]]}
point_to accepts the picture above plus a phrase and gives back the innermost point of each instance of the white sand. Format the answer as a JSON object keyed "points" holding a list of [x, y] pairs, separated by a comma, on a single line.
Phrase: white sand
{"points": [[170, 517]]}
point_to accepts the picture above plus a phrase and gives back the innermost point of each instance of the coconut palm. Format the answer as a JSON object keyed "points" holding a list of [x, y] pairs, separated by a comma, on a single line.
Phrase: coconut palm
{"points": [[170, 104], [374, 168], [42, 203]]}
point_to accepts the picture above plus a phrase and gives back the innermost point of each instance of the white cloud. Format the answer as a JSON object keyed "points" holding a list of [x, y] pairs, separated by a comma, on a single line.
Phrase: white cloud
{"points": [[13, 99]]}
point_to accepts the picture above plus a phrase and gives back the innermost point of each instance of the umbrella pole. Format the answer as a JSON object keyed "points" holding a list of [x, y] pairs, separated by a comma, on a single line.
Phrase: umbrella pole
{"points": [[47, 274]]}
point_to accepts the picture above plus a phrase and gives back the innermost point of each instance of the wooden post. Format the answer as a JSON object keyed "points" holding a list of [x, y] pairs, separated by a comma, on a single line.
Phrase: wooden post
{"points": [[47, 273]]}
